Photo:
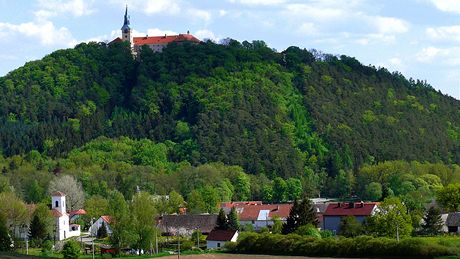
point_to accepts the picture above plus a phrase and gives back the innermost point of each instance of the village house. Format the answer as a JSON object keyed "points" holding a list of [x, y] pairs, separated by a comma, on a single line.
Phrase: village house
{"points": [[453, 222], [171, 225], [336, 211], [218, 238], [102, 220], [63, 228], [155, 43]]}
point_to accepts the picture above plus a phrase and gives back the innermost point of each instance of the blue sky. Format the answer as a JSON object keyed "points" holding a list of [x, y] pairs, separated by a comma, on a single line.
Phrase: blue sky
{"points": [[419, 38]]}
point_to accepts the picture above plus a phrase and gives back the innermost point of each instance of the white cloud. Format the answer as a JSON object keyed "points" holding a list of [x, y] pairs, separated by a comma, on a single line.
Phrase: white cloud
{"points": [[199, 14], [389, 25], [452, 6], [313, 11], [258, 2], [307, 28], [206, 34], [49, 8], [44, 31], [448, 33], [444, 56], [222, 12], [152, 6]]}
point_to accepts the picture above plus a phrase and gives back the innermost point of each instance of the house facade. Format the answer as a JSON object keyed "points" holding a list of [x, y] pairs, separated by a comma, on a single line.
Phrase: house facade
{"points": [[453, 222], [334, 213], [98, 224], [218, 238], [63, 228]]}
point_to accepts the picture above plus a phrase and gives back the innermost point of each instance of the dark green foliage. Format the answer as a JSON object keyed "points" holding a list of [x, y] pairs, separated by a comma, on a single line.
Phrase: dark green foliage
{"points": [[432, 222], [233, 221], [362, 246], [301, 214], [240, 104], [350, 227], [102, 231], [71, 250], [222, 221], [42, 223], [5, 238]]}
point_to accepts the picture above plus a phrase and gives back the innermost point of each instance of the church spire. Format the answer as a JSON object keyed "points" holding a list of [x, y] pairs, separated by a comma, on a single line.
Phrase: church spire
{"points": [[126, 30]]}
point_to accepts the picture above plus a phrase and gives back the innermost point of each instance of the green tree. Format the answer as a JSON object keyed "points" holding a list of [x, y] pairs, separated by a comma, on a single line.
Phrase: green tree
{"points": [[277, 227], [42, 223], [195, 202], [280, 189], [210, 197], [391, 219], [120, 222], [350, 227], [5, 238], [308, 230], [242, 187], [175, 202], [432, 222], [143, 219], [96, 206], [301, 214], [34, 193], [102, 231], [233, 221], [449, 197], [294, 189], [373, 192], [71, 250], [222, 222]]}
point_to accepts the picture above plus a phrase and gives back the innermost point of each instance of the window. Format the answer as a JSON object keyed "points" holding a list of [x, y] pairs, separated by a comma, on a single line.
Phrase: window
{"points": [[218, 244], [57, 204]]}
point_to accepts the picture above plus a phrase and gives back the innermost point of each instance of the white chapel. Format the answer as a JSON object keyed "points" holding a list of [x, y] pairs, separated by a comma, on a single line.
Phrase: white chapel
{"points": [[63, 227]]}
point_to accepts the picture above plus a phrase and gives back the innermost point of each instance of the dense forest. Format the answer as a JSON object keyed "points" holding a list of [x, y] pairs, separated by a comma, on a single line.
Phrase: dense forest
{"points": [[316, 119]]}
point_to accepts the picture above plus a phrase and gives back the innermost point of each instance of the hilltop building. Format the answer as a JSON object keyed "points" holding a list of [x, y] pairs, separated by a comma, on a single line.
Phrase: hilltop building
{"points": [[156, 43]]}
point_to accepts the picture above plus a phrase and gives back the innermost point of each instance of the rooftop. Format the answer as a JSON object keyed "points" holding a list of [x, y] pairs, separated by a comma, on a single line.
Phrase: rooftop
{"points": [[350, 209], [221, 235]]}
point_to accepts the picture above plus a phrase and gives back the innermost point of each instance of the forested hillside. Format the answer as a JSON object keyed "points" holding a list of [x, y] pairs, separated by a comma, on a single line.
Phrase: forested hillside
{"points": [[278, 114]]}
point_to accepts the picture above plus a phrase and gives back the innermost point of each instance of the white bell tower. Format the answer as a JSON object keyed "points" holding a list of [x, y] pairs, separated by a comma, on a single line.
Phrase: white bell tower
{"points": [[58, 202]]}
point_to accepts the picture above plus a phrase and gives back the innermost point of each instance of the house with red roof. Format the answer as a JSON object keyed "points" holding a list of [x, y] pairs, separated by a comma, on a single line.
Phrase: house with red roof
{"points": [[101, 221], [218, 238], [155, 43], [334, 213]]}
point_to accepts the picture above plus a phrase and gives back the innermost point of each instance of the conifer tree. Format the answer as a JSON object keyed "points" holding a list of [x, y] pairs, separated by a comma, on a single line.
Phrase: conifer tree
{"points": [[300, 215], [432, 222], [5, 238], [102, 231], [221, 220], [233, 221]]}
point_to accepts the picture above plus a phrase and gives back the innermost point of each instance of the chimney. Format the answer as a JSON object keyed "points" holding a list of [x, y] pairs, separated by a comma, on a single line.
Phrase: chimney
{"points": [[351, 205], [338, 204], [362, 204]]}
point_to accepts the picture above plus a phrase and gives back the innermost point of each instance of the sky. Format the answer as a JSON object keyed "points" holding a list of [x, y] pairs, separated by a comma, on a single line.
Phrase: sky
{"points": [[419, 38]]}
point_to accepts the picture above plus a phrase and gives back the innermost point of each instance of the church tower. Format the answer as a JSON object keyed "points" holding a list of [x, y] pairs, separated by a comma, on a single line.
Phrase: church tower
{"points": [[58, 202], [126, 30]]}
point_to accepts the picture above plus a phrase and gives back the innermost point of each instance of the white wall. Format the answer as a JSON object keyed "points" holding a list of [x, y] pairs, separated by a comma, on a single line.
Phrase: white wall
{"points": [[96, 225]]}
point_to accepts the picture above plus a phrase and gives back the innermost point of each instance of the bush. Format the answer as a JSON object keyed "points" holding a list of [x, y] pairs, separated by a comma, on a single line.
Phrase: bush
{"points": [[361, 246], [71, 250], [106, 256]]}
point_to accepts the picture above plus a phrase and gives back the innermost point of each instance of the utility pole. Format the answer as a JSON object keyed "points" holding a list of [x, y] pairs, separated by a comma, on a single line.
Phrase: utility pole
{"points": [[91, 235]]}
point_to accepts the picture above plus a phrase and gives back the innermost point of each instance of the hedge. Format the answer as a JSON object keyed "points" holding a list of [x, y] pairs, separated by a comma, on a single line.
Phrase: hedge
{"points": [[362, 246]]}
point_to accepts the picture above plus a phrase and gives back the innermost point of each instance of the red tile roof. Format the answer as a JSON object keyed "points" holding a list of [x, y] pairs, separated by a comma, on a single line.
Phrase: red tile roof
{"points": [[77, 212], [56, 213], [58, 194], [236, 204], [350, 209], [107, 219], [164, 39], [118, 39], [251, 212], [221, 235]]}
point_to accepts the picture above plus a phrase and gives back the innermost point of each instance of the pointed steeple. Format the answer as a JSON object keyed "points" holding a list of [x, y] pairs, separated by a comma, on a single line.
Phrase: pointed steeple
{"points": [[126, 22]]}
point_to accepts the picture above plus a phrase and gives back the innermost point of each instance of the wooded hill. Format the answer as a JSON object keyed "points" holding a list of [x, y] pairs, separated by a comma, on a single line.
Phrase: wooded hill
{"points": [[244, 104]]}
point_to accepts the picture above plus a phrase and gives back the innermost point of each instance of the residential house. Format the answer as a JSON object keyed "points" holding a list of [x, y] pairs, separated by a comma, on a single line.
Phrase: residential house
{"points": [[262, 215], [334, 213], [76, 214], [217, 238], [98, 223], [171, 225], [453, 222]]}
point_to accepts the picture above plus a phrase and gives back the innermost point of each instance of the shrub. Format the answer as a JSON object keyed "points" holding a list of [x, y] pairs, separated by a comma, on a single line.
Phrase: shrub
{"points": [[71, 250]]}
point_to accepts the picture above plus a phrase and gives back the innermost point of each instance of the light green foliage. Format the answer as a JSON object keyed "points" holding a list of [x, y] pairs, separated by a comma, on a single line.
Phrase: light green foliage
{"points": [[280, 189], [5, 238], [449, 197], [175, 202], [13, 209], [294, 189], [96, 206], [42, 223], [373, 192], [143, 214], [195, 202], [308, 230], [121, 222], [242, 187], [277, 227], [350, 227], [392, 217], [233, 220]]}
